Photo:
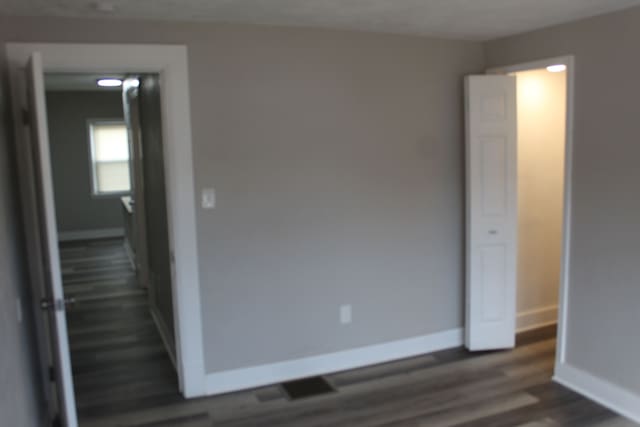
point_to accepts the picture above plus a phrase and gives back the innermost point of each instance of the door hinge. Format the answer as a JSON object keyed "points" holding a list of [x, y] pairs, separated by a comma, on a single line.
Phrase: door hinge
{"points": [[52, 374], [26, 117]]}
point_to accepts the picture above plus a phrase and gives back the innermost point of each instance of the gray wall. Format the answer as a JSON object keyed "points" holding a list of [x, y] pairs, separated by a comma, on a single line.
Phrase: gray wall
{"points": [[20, 400], [156, 201], [76, 208], [604, 313], [338, 163]]}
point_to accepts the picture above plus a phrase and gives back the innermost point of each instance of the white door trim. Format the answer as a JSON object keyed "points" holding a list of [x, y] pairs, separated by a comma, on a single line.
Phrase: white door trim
{"points": [[563, 301], [170, 61]]}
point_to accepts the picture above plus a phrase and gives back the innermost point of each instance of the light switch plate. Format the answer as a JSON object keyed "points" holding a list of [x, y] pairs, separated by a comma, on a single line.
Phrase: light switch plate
{"points": [[345, 314], [208, 198]]}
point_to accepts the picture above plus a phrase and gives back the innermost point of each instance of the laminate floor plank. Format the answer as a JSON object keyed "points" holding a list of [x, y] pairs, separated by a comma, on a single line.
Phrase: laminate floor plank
{"points": [[469, 412], [381, 371], [118, 360]]}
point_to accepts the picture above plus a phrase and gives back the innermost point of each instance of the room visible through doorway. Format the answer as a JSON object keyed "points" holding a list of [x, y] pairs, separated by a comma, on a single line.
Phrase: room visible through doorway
{"points": [[107, 163]]}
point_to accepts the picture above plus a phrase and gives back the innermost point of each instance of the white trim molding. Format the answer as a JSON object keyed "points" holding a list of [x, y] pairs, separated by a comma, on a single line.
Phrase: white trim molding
{"points": [[537, 318], [170, 62], [612, 396], [256, 376], [101, 233]]}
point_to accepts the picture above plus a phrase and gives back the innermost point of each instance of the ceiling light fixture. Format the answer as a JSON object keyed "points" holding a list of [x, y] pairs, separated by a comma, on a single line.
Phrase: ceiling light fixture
{"points": [[558, 68], [109, 82]]}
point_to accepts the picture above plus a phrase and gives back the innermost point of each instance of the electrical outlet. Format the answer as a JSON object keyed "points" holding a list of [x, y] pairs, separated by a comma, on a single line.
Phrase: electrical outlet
{"points": [[345, 314]]}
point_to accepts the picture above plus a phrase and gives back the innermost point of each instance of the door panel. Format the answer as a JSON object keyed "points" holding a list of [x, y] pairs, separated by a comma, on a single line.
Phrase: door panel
{"points": [[494, 176], [493, 282], [40, 218], [491, 212]]}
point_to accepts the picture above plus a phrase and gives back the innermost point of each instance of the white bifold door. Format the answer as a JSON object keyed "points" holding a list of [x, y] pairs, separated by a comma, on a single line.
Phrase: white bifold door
{"points": [[492, 220], [43, 255]]}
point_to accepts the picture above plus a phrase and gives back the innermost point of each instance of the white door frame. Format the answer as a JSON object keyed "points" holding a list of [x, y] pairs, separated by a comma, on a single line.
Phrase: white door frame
{"points": [[170, 62], [563, 300]]}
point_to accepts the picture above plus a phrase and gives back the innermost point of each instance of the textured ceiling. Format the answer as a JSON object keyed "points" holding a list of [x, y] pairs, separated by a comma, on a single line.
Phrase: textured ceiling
{"points": [[458, 19]]}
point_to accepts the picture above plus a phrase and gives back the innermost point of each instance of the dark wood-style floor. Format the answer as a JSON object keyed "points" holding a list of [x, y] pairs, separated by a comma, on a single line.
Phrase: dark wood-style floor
{"points": [[118, 359], [123, 377]]}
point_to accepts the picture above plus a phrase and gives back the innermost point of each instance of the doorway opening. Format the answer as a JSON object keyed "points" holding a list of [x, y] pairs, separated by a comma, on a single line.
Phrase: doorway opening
{"points": [[519, 144], [28, 63], [106, 148], [542, 111]]}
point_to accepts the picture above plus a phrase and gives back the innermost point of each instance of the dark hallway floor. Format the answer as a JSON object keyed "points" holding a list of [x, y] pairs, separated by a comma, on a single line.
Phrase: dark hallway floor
{"points": [[119, 361]]}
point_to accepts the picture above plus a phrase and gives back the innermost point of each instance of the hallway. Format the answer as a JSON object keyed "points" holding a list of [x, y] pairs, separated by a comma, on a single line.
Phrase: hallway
{"points": [[118, 358]]}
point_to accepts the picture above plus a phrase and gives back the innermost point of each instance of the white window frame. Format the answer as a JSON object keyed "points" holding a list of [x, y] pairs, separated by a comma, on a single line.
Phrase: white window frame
{"points": [[95, 192]]}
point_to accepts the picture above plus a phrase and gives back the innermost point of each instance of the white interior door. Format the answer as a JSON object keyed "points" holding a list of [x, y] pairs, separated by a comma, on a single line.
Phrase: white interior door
{"points": [[40, 218], [492, 219]]}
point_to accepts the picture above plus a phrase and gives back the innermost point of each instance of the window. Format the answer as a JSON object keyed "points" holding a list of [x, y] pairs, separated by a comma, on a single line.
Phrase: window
{"points": [[109, 157]]}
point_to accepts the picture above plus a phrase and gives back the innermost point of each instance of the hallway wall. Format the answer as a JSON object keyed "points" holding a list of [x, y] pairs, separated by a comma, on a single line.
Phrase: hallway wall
{"points": [[155, 196], [77, 209]]}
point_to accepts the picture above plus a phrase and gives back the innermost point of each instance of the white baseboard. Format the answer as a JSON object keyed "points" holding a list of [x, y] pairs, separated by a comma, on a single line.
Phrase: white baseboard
{"points": [[256, 376], [102, 233], [165, 334], [537, 318], [614, 397]]}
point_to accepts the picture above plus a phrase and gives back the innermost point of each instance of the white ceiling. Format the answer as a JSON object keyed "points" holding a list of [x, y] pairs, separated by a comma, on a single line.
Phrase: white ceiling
{"points": [[457, 19]]}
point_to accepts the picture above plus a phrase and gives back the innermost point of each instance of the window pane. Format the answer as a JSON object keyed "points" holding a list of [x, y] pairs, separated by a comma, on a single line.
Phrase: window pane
{"points": [[110, 142], [112, 177], [110, 147]]}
